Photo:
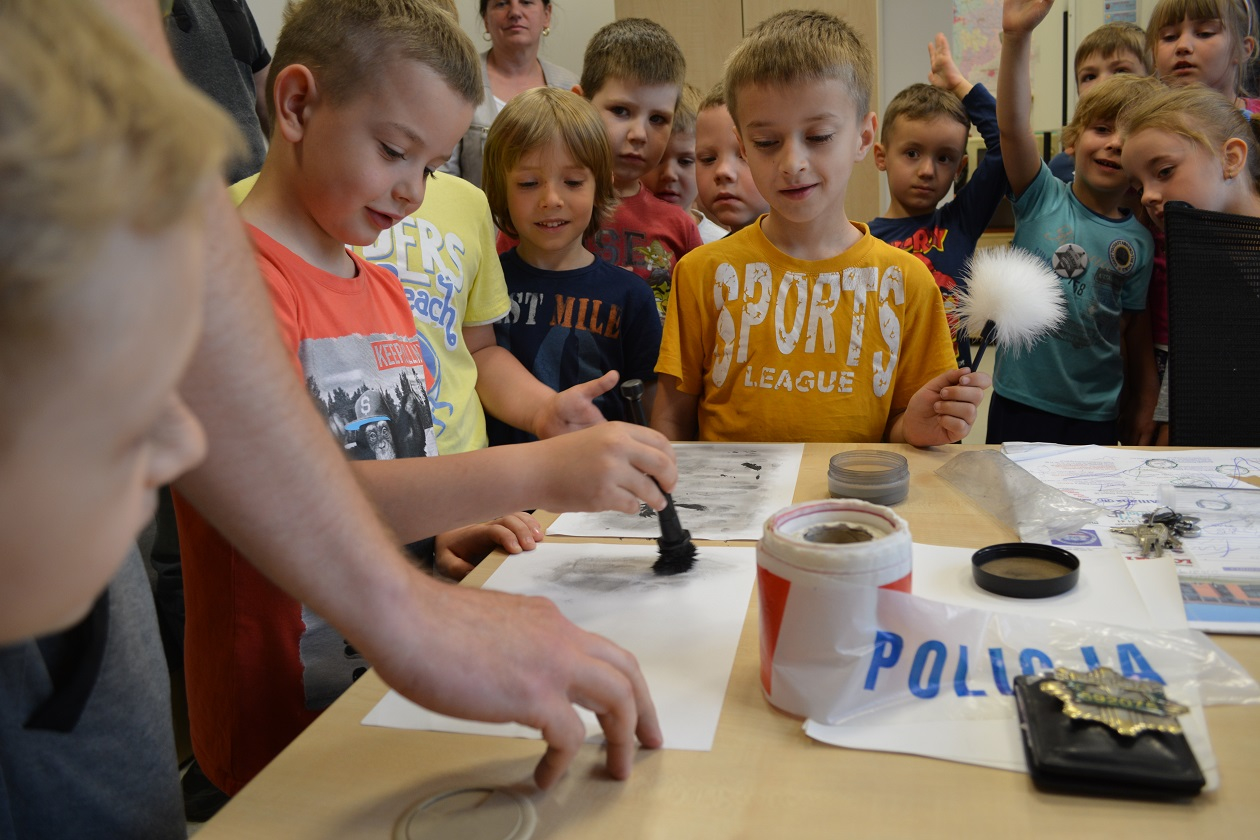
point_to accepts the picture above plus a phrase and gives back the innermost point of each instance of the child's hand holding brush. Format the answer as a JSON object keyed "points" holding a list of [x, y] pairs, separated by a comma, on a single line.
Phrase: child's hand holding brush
{"points": [[943, 410]]}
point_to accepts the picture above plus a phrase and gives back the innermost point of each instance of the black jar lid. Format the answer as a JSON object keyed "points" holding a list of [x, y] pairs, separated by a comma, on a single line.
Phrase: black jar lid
{"points": [[1025, 570]]}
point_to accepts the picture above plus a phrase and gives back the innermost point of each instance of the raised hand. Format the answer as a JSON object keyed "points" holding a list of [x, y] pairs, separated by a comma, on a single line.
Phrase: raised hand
{"points": [[1024, 15], [944, 73]]}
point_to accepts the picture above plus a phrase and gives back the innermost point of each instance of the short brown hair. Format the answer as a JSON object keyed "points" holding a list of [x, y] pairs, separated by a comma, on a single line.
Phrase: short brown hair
{"points": [[715, 97], [795, 46], [95, 135], [635, 50], [530, 121], [687, 110], [346, 42], [1106, 101], [1111, 39], [923, 102]]}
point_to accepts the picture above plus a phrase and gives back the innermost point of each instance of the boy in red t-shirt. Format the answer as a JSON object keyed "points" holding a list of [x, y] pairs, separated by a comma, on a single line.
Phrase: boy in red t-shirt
{"points": [[633, 74], [352, 146]]}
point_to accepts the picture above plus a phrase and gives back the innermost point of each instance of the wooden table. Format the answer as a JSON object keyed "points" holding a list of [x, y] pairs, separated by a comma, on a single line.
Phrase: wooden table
{"points": [[763, 779]]}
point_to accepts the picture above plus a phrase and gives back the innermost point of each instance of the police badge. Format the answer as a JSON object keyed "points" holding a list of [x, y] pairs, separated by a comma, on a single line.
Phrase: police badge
{"points": [[1099, 733]]}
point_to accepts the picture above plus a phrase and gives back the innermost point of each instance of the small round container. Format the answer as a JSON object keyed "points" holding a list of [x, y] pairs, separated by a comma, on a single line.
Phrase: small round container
{"points": [[1025, 570], [873, 475]]}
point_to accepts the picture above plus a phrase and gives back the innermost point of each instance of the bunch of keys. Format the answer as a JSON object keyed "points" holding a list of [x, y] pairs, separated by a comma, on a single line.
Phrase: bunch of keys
{"points": [[1162, 529]]}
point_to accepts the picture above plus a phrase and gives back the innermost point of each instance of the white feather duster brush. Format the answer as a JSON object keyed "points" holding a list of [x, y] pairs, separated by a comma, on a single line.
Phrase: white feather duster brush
{"points": [[1012, 298]]}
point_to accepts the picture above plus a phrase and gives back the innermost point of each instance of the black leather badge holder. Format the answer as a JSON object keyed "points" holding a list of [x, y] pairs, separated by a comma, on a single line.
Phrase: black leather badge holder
{"points": [[1100, 733]]}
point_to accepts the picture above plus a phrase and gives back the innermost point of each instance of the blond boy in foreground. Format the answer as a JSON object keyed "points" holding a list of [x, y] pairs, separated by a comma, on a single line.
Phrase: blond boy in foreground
{"points": [[105, 162], [805, 327]]}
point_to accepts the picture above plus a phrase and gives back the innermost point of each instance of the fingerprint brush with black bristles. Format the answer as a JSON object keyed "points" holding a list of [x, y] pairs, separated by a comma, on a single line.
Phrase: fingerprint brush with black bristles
{"points": [[1012, 298], [677, 551]]}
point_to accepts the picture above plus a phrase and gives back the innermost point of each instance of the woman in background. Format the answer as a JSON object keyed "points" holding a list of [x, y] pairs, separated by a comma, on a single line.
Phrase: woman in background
{"points": [[515, 29]]}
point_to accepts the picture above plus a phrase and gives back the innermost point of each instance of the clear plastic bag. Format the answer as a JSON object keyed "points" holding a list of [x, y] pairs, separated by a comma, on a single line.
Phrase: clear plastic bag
{"points": [[886, 670], [1012, 495]]}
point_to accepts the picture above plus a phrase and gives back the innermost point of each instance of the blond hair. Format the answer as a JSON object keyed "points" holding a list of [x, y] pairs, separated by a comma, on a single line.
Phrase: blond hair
{"points": [[796, 46], [1106, 101], [1199, 114], [1235, 15], [687, 110], [923, 102], [94, 136], [347, 42], [1111, 39], [532, 120], [635, 50]]}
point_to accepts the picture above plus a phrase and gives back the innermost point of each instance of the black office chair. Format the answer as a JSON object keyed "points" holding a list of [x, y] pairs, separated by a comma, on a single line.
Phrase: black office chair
{"points": [[1213, 327]]}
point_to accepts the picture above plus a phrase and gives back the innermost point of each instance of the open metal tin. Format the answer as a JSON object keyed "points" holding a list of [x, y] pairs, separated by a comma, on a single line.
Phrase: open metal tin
{"points": [[1025, 570]]}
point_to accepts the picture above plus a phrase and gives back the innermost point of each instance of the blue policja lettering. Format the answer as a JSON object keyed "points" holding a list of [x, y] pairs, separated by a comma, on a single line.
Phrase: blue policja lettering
{"points": [[960, 677], [928, 665], [887, 652], [936, 651], [1033, 661], [1134, 665], [998, 663]]}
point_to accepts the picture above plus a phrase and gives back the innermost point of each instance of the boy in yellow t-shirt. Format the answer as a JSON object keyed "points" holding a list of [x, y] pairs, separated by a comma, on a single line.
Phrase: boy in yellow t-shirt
{"points": [[804, 327]]}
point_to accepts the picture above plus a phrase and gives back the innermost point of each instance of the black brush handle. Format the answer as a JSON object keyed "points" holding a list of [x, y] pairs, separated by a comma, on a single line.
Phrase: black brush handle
{"points": [[632, 390], [986, 338], [672, 531]]}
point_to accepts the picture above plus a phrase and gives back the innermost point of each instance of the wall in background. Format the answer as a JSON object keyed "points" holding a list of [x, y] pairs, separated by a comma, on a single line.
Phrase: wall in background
{"points": [[905, 27], [573, 22]]}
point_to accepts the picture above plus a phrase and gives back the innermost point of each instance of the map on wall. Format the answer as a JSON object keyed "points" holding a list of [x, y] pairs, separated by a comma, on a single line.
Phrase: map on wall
{"points": [[977, 40]]}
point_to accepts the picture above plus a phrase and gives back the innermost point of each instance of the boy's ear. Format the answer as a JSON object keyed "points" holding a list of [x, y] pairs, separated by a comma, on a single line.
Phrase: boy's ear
{"points": [[877, 152], [578, 90], [295, 95], [866, 135], [1234, 156]]}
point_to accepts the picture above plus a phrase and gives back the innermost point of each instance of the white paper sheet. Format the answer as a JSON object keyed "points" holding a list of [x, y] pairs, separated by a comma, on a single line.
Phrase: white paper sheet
{"points": [[726, 491], [683, 629], [1129, 483], [1135, 593]]}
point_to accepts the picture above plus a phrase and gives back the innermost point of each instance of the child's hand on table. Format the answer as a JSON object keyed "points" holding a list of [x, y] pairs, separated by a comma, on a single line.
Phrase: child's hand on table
{"points": [[457, 552]]}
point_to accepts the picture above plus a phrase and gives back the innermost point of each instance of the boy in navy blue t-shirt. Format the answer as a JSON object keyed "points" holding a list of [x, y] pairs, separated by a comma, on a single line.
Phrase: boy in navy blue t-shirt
{"points": [[922, 147]]}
